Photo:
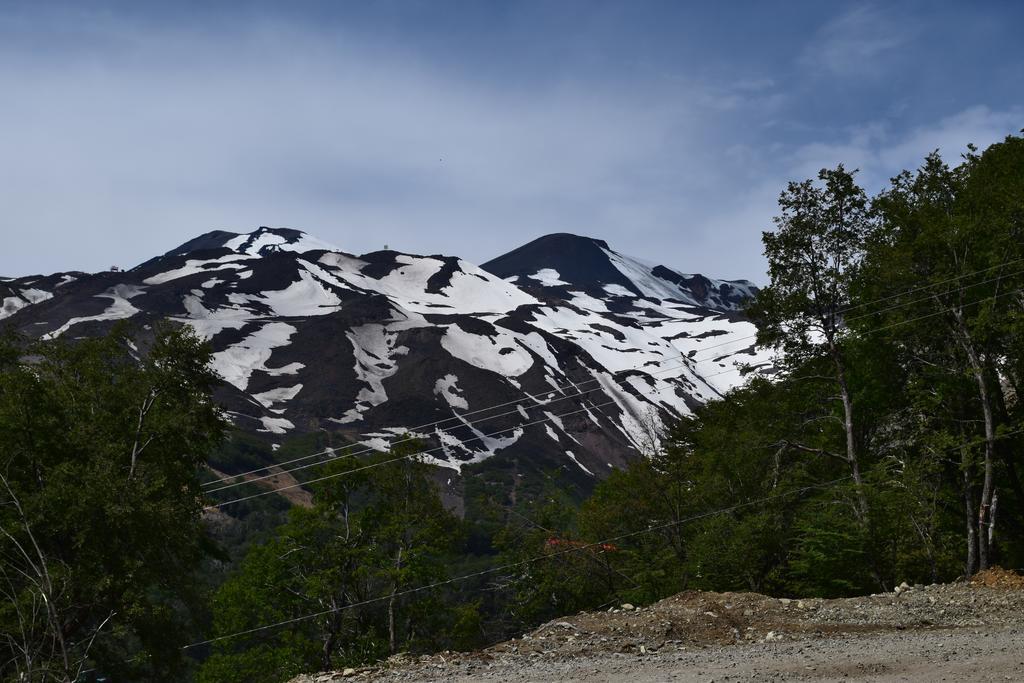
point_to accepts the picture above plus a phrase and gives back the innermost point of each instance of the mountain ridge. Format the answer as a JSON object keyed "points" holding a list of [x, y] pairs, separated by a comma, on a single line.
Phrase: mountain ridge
{"points": [[310, 338]]}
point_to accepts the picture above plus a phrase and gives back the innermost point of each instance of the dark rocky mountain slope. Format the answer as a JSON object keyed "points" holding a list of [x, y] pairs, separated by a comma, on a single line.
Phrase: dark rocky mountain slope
{"points": [[585, 351]]}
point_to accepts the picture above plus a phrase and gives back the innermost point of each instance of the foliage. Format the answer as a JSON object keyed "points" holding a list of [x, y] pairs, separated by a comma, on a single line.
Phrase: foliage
{"points": [[100, 528], [375, 534], [887, 448]]}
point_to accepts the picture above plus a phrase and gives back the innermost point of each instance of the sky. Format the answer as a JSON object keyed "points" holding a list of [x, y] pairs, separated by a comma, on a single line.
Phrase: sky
{"points": [[471, 127]]}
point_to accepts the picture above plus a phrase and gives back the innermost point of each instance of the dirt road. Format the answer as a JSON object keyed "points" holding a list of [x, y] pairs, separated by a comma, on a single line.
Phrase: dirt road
{"points": [[939, 655], [954, 632]]}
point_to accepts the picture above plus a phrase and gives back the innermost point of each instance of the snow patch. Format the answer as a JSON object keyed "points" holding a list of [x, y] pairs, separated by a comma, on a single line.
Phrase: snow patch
{"points": [[447, 387], [278, 395], [26, 297], [572, 456], [237, 362], [276, 425], [120, 309], [549, 277], [193, 266], [500, 354], [256, 242], [617, 290]]}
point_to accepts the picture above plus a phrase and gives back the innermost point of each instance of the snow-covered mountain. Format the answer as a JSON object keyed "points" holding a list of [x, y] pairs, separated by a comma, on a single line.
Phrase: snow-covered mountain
{"points": [[584, 351]]}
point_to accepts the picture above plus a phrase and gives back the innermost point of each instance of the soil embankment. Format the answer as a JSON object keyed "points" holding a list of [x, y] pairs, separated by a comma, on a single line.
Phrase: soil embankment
{"points": [[965, 631]]}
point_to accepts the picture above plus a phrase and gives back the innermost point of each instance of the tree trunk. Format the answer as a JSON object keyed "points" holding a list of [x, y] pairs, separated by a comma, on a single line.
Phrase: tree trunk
{"points": [[861, 508], [392, 640], [972, 536], [986, 528], [391, 623], [328, 647], [992, 522]]}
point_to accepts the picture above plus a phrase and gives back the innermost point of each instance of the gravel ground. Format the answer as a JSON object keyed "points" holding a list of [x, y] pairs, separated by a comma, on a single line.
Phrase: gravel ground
{"points": [[954, 632]]}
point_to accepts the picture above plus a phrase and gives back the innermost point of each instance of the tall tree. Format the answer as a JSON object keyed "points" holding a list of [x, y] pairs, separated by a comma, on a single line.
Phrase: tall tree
{"points": [[813, 257], [954, 236], [100, 529]]}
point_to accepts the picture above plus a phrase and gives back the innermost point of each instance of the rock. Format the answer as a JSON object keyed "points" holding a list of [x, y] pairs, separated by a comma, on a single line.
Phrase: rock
{"points": [[643, 650], [785, 601], [628, 607], [348, 673]]}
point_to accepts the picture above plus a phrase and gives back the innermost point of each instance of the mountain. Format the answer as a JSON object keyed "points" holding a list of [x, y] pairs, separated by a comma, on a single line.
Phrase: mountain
{"points": [[584, 263], [582, 352]]}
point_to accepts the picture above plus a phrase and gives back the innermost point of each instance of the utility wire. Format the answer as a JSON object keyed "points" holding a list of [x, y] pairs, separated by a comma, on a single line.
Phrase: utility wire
{"points": [[552, 418], [911, 320], [520, 563], [580, 548], [933, 284], [682, 356], [528, 424], [411, 455], [466, 423]]}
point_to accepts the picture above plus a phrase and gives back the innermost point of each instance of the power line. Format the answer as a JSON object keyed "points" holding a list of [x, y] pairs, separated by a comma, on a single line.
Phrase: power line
{"points": [[552, 418], [466, 423], [411, 455], [529, 424], [512, 565], [907, 322], [927, 298], [460, 416], [693, 359], [580, 548], [933, 284]]}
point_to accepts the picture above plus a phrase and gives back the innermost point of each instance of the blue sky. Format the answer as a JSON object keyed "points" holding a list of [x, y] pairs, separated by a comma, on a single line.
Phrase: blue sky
{"points": [[468, 128]]}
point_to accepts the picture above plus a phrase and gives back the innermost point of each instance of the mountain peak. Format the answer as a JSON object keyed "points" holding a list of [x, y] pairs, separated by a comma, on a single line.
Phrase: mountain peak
{"points": [[260, 241], [561, 258], [564, 260]]}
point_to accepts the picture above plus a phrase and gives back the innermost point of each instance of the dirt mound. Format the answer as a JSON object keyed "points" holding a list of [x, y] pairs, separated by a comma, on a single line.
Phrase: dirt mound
{"points": [[697, 621], [997, 577]]}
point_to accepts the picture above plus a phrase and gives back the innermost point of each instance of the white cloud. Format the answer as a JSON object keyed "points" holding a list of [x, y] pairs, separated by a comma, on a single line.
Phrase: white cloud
{"points": [[857, 42], [880, 152], [142, 144], [124, 140]]}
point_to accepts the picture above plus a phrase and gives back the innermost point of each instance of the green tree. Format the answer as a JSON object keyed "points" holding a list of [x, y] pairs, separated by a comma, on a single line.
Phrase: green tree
{"points": [[813, 257], [553, 571], [954, 235], [355, 559], [100, 508]]}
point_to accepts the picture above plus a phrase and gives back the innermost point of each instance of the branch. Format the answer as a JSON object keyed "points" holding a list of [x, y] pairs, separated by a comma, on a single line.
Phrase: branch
{"points": [[85, 653], [820, 418], [45, 582], [147, 405], [807, 449]]}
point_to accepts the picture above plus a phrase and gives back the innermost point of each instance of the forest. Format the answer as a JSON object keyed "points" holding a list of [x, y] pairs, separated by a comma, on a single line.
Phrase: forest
{"points": [[886, 447]]}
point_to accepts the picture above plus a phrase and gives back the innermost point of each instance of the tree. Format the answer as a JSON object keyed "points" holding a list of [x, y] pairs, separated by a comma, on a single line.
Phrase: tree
{"points": [[100, 508], [954, 235], [813, 257], [372, 535], [552, 570]]}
